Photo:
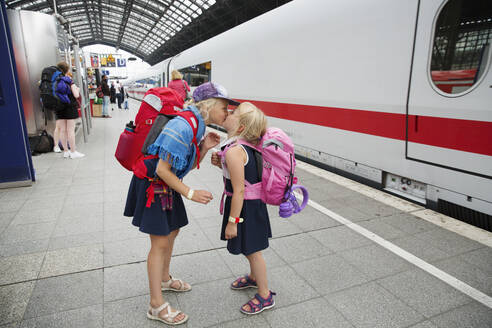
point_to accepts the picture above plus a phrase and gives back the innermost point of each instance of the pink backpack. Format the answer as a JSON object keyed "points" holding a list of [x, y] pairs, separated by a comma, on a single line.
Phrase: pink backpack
{"points": [[277, 170]]}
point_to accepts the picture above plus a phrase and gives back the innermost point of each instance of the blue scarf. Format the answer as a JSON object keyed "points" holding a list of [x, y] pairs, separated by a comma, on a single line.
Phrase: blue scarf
{"points": [[174, 144]]}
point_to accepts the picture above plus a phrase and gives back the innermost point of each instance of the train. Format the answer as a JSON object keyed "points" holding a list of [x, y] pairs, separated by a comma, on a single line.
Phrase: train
{"points": [[396, 94]]}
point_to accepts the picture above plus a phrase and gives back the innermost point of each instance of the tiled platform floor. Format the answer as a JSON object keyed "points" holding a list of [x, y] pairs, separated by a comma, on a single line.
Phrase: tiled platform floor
{"points": [[68, 258]]}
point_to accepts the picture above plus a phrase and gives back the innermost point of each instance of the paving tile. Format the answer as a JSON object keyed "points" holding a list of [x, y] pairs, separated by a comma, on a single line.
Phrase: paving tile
{"points": [[481, 258], [473, 315], [27, 216], [283, 227], [422, 250], [191, 240], [313, 313], [129, 232], [70, 260], [350, 213], [126, 251], [239, 265], [87, 317], [116, 221], [213, 235], [372, 306], [125, 281], [340, 238], [310, 219], [131, 313], [382, 229], [468, 273], [409, 223], [290, 287], [298, 248], [199, 267], [11, 325], [20, 268], [76, 240], [425, 324], [24, 247], [375, 261], [448, 241], [423, 292], [212, 303], [58, 192], [5, 220], [13, 301], [82, 189], [16, 194], [248, 322], [58, 294], [77, 225], [329, 274], [11, 206], [86, 199]]}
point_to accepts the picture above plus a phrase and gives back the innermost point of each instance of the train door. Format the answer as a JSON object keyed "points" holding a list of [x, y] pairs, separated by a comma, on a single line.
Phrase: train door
{"points": [[449, 117]]}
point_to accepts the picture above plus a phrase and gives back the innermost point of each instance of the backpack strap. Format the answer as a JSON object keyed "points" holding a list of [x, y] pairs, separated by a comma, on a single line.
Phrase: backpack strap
{"points": [[193, 122]]}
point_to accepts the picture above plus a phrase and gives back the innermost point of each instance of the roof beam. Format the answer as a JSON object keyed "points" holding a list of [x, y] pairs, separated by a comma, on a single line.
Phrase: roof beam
{"points": [[155, 24], [124, 20], [88, 19]]}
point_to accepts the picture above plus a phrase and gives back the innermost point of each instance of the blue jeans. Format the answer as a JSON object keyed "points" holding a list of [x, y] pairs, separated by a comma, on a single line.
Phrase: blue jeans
{"points": [[105, 105]]}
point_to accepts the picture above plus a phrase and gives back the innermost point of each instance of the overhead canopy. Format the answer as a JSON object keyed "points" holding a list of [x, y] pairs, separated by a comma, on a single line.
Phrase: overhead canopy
{"points": [[151, 29]]}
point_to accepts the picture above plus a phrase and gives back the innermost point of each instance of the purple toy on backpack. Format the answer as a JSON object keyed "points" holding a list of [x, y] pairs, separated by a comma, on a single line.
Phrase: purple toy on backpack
{"points": [[277, 178]]}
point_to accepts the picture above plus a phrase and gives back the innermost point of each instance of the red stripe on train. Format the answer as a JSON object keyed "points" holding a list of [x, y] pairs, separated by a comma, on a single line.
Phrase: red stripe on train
{"points": [[464, 135]]}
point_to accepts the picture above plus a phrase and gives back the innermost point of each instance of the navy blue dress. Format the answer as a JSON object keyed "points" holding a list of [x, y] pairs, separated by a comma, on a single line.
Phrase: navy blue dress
{"points": [[254, 231], [174, 144], [153, 220]]}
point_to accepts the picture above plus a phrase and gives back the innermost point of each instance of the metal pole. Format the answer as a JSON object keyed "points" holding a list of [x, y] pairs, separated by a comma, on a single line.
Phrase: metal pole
{"points": [[54, 6], [85, 127]]}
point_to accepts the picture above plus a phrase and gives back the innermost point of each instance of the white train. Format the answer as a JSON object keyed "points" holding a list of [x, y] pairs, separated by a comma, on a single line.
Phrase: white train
{"points": [[395, 93]]}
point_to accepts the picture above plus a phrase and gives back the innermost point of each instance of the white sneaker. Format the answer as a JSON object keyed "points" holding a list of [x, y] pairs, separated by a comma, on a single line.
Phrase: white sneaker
{"points": [[66, 154], [57, 149], [76, 154]]}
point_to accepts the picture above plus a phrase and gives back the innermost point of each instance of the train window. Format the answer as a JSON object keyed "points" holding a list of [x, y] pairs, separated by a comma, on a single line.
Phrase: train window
{"points": [[197, 74], [461, 45]]}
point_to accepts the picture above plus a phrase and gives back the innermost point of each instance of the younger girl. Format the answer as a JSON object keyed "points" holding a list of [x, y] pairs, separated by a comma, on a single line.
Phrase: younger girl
{"points": [[246, 225]]}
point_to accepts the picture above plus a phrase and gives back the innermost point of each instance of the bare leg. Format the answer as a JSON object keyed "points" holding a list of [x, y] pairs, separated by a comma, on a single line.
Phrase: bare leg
{"points": [[63, 133], [167, 260], [258, 271], [165, 273], [159, 250], [56, 133], [71, 134]]}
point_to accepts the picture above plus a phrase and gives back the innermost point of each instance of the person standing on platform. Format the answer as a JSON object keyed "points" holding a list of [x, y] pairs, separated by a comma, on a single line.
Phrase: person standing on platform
{"points": [[122, 93], [245, 225], [112, 97], [118, 94], [155, 202], [68, 92], [107, 93], [179, 85]]}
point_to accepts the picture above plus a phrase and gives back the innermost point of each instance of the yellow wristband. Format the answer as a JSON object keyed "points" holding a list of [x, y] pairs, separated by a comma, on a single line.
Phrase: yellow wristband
{"points": [[190, 194], [235, 220]]}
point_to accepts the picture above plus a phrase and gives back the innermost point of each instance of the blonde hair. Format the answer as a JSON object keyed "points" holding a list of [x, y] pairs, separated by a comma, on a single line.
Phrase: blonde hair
{"points": [[175, 75], [253, 120]]}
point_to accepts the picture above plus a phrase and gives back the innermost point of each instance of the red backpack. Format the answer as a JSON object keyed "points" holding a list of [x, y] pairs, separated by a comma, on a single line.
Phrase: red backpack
{"points": [[156, 101]]}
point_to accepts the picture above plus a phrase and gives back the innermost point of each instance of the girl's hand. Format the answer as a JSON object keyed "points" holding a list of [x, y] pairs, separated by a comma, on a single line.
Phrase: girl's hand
{"points": [[215, 160], [231, 230], [202, 196], [211, 140]]}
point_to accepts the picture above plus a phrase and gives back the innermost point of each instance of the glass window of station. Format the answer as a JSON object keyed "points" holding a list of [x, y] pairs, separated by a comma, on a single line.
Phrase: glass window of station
{"points": [[197, 74], [461, 45], [148, 83]]}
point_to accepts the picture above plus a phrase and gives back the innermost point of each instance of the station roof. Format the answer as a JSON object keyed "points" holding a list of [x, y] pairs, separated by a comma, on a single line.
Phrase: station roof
{"points": [[150, 29]]}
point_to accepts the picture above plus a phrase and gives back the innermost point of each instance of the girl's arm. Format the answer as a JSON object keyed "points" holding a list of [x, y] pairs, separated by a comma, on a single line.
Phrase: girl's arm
{"points": [[235, 159], [75, 91], [165, 173]]}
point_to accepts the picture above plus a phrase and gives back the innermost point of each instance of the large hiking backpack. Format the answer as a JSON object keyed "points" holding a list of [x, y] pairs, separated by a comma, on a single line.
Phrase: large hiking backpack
{"points": [[276, 167], [50, 76], [159, 105]]}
